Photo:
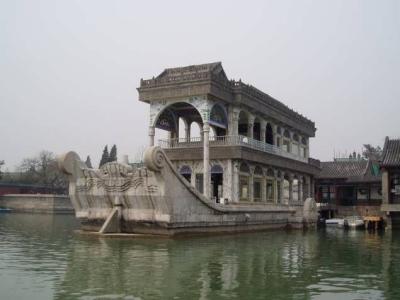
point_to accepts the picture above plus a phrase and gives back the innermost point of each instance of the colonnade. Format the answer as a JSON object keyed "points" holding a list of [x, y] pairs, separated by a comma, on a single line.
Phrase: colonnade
{"points": [[241, 122], [269, 185]]}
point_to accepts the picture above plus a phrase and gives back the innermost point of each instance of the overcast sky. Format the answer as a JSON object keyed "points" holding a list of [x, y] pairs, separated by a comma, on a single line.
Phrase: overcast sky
{"points": [[69, 69]]}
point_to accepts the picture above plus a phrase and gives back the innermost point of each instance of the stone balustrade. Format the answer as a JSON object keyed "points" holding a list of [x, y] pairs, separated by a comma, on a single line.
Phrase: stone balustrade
{"points": [[231, 140]]}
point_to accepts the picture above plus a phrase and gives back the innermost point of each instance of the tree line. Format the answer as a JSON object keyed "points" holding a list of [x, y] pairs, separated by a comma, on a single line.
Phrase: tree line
{"points": [[42, 169]]}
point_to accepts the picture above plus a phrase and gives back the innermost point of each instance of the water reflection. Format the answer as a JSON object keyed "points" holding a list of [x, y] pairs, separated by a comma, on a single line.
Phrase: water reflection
{"points": [[52, 262]]}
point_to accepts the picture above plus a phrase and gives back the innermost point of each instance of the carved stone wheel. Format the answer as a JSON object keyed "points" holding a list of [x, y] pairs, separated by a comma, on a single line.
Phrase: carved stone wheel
{"points": [[154, 158], [68, 161]]}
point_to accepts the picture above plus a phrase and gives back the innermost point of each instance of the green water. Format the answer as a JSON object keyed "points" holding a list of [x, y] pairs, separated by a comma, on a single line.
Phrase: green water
{"points": [[42, 258]]}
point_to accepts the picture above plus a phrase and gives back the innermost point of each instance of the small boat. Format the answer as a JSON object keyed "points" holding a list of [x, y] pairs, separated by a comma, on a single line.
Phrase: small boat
{"points": [[5, 210], [334, 221], [354, 222]]}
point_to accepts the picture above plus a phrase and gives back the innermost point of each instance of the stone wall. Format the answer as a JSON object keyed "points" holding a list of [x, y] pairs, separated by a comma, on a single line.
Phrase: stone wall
{"points": [[37, 203]]}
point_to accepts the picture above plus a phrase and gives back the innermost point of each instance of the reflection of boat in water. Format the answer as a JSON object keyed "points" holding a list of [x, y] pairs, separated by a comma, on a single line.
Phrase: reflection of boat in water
{"points": [[156, 199], [333, 221], [354, 222]]}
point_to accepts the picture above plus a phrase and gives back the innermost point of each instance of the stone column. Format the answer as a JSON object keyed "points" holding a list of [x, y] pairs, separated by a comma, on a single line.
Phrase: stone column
{"points": [[233, 127], [206, 160], [301, 199], [276, 178], [385, 187], [251, 185], [264, 188], [250, 127], [187, 132], [282, 188], [193, 178], [290, 142], [290, 188], [308, 190], [227, 181], [312, 191], [275, 132], [152, 132], [235, 182], [263, 128]]}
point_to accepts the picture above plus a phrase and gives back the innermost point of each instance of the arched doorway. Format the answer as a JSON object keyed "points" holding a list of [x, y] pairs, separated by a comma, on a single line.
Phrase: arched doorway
{"points": [[216, 182], [218, 120], [169, 119]]}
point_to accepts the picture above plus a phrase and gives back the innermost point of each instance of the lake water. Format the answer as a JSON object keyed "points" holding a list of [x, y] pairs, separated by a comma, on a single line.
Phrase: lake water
{"points": [[42, 258]]}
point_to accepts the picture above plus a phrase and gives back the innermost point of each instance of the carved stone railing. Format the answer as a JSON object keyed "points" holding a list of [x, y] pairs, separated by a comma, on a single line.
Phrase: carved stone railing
{"points": [[230, 140]]}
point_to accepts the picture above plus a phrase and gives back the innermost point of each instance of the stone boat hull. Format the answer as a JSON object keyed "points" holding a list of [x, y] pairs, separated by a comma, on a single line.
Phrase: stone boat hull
{"points": [[157, 200]]}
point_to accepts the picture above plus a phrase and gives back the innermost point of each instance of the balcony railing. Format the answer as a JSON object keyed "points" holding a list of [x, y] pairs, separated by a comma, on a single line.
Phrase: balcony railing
{"points": [[230, 140]]}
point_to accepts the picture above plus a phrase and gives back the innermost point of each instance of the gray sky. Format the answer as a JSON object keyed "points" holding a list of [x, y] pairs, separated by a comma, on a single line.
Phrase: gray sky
{"points": [[69, 69]]}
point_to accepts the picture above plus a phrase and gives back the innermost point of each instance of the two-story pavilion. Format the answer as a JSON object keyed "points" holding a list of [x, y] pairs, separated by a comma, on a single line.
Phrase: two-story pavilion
{"points": [[252, 147]]}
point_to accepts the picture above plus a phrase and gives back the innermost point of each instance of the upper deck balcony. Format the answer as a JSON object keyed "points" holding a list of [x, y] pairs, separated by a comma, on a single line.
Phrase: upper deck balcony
{"points": [[233, 147], [238, 140]]}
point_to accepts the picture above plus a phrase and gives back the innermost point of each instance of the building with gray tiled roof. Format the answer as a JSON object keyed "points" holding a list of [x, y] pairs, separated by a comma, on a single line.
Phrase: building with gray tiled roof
{"points": [[390, 167], [349, 186]]}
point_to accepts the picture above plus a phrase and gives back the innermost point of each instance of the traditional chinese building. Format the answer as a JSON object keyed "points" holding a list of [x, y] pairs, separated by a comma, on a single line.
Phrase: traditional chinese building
{"points": [[349, 186], [390, 167], [252, 147]]}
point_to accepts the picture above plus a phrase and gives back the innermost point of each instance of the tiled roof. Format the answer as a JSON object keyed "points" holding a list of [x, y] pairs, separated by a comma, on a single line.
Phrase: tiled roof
{"points": [[391, 153], [349, 170], [343, 169], [215, 68]]}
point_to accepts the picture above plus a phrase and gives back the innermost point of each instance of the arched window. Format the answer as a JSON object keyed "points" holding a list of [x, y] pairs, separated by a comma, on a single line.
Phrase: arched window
{"points": [[257, 183], [195, 130], [243, 125], [286, 134], [269, 135], [257, 129], [186, 172], [218, 117], [216, 169], [258, 171], [244, 182], [169, 120], [244, 168]]}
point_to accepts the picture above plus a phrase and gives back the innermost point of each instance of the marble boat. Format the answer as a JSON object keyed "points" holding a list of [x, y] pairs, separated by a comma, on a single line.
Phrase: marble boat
{"points": [[247, 168], [156, 199]]}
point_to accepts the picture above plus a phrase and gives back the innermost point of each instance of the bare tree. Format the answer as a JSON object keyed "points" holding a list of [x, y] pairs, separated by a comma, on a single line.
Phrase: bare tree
{"points": [[42, 169], [371, 152], [139, 155], [1, 164]]}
